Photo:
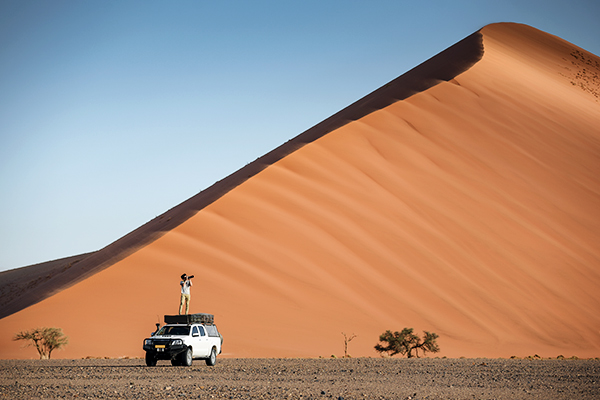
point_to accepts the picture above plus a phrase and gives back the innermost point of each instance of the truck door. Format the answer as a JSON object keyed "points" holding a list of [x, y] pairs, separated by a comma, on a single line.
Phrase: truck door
{"points": [[200, 341]]}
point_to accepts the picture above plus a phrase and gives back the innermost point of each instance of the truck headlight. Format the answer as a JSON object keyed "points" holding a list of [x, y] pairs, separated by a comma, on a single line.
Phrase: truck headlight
{"points": [[148, 342], [177, 342]]}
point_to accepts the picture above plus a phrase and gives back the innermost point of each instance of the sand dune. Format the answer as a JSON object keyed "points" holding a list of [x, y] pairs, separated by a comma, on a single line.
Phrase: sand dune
{"points": [[470, 208]]}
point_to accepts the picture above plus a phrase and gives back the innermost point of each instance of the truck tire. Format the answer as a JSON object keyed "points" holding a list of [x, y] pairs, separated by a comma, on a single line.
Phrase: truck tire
{"points": [[150, 359], [212, 358], [186, 357]]}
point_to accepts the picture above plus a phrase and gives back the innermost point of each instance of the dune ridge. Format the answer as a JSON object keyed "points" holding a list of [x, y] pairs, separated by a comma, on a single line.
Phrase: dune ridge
{"points": [[442, 67], [470, 208]]}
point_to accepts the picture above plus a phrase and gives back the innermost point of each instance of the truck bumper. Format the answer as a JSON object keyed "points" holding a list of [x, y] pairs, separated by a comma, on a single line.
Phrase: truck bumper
{"points": [[166, 352]]}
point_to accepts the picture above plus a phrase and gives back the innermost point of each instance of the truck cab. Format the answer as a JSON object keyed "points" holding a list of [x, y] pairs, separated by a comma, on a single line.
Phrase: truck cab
{"points": [[184, 341]]}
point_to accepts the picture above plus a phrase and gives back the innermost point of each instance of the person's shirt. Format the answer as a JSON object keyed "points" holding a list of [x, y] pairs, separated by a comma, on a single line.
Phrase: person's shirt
{"points": [[185, 286]]}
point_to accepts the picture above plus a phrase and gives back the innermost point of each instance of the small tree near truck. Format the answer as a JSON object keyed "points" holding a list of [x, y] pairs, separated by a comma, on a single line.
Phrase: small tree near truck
{"points": [[45, 340], [406, 341]]}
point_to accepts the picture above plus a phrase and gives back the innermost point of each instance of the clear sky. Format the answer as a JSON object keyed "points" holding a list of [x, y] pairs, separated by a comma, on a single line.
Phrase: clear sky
{"points": [[113, 112]]}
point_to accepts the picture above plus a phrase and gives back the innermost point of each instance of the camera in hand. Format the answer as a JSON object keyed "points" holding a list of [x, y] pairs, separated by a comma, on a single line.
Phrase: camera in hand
{"points": [[190, 277]]}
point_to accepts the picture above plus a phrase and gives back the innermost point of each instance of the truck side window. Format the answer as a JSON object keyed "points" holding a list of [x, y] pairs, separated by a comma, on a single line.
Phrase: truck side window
{"points": [[195, 331], [201, 331]]}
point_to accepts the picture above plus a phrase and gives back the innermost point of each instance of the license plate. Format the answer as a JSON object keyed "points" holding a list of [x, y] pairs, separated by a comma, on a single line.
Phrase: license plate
{"points": [[159, 346]]}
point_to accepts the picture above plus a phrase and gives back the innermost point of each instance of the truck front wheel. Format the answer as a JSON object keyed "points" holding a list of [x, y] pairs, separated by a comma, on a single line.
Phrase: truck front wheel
{"points": [[186, 357], [150, 359]]}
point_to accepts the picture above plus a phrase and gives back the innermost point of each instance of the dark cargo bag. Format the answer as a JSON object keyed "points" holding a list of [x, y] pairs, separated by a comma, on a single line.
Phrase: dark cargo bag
{"points": [[187, 319]]}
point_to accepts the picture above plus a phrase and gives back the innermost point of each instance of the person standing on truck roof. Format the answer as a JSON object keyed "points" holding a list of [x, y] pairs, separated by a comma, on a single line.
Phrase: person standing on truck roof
{"points": [[185, 284]]}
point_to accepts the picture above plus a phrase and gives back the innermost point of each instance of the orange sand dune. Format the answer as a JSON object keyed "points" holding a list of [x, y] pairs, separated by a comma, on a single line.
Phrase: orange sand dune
{"points": [[470, 209]]}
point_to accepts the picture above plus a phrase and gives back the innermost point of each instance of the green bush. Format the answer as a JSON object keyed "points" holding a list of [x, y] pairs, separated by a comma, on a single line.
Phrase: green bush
{"points": [[44, 339], [405, 342]]}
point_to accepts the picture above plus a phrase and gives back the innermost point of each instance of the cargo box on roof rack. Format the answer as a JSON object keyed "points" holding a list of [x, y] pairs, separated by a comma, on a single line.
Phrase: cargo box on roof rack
{"points": [[187, 319]]}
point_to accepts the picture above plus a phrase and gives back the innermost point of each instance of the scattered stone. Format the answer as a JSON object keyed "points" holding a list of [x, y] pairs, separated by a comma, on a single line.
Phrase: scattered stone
{"points": [[358, 378]]}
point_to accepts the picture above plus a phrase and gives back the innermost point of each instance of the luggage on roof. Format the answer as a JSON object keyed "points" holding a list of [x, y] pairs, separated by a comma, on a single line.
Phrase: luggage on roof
{"points": [[200, 318]]}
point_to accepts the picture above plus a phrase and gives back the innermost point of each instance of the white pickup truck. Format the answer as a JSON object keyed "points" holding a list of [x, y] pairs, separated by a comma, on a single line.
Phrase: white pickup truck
{"points": [[185, 340]]}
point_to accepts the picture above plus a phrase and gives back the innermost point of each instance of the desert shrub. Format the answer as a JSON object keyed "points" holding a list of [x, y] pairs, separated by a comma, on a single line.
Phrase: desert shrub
{"points": [[405, 342], [45, 340]]}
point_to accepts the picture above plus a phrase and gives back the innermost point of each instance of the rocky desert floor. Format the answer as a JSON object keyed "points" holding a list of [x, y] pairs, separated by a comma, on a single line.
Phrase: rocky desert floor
{"points": [[354, 378]]}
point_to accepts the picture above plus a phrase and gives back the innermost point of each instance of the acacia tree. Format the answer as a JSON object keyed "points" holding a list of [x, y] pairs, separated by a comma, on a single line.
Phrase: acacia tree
{"points": [[406, 341], [44, 339]]}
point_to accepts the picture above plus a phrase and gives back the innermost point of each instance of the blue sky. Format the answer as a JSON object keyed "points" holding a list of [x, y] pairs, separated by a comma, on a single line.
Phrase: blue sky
{"points": [[112, 112]]}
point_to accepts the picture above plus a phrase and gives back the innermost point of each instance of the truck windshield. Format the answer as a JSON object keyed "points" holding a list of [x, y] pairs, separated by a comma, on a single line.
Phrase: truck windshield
{"points": [[174, 330]]}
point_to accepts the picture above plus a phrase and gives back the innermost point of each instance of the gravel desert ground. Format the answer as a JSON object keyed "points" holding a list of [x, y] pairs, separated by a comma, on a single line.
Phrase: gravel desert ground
{"points": [[357, 378]]}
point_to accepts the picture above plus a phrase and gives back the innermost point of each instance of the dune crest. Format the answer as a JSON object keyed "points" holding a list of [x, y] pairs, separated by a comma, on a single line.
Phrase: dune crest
{"points": [[65, 273], [469, 207]]}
